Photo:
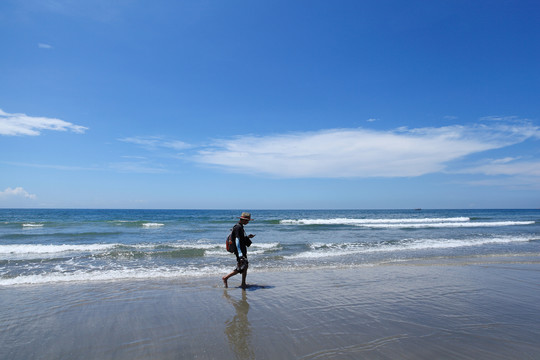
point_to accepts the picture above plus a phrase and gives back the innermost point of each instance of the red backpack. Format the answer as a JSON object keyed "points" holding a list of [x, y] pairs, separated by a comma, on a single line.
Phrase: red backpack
{"points": [[229, 244]]}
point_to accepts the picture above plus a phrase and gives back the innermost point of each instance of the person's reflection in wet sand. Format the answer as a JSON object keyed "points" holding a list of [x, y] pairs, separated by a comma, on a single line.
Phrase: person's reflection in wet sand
{"points": [[238, 329]]}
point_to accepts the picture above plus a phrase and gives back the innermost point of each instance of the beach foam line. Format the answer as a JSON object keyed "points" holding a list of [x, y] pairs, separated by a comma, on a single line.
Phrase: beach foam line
{"points": [[446, 224], [50, 249], [321, 250], [453, 222], [32, 225], [113, 275], [196, 245], [349, 221]]}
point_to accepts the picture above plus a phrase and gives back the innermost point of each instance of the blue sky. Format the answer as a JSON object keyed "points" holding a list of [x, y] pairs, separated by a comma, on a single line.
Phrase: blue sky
{"points": [[269, 104]]}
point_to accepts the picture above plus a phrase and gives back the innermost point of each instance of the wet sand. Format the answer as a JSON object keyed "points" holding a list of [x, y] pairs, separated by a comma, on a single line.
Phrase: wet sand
{"points": [[469, 308]]}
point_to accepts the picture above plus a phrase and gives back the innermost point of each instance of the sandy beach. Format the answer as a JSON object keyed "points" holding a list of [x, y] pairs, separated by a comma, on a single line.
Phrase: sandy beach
{"points": [[461, 308]]}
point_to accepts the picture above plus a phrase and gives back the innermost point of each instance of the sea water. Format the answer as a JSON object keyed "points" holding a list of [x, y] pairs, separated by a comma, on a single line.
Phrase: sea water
{"points": [[40, 246]]}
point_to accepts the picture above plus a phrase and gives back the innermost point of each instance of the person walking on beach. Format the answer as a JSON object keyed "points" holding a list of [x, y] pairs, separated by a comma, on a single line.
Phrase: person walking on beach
{"points": [[242, 241]]}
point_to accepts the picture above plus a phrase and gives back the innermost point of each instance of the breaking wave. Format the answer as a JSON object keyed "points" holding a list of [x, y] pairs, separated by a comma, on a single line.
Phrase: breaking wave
{"points": [[321, 250], [406, 223]]}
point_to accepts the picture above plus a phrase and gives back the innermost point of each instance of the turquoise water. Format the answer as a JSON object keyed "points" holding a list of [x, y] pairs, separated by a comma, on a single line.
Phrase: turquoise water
{"points": [[52, 246]]}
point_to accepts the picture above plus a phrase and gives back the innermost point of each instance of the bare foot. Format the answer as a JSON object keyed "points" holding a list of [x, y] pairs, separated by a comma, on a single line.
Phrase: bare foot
{"points": [[225, 282], [244, 286]]}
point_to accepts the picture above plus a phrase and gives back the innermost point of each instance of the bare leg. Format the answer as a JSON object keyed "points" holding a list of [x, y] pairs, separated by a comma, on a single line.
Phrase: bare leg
{"points": [[225, 278], [244, 275]]}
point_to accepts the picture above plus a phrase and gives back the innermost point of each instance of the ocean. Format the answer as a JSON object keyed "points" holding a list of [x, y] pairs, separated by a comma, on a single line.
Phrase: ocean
{"points": [[45, 246]]}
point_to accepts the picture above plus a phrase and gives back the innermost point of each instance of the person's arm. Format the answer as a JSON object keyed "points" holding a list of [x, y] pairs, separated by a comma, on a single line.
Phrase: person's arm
{"points": [[239, 248], [238, 233]]}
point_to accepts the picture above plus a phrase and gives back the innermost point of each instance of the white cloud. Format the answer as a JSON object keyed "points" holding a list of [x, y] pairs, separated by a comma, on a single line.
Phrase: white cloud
{"points": [[44, 46], [359, 152], [506, 166], [141, 167], [504, 160], [21, 124], [18, 192], [499, 118], [176, 145], [154, 142]]}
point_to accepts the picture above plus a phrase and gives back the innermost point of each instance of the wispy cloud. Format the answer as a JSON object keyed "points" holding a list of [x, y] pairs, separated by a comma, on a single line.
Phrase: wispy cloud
{"points": [[506, 166], [22, 124], [158, 147], [16, 192], [508, 172], [156, 142], [141, 167], [44, 46], [340, 153], [52, 166], [134, 165]]}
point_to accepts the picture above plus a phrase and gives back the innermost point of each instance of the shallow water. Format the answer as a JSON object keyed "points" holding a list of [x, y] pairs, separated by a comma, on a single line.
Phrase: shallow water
{"points": [[55, 246], [468, 308]]}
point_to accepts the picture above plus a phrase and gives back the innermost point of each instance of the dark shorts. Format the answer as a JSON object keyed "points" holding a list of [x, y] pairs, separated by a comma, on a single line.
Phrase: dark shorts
{"points": [[242, 265]]}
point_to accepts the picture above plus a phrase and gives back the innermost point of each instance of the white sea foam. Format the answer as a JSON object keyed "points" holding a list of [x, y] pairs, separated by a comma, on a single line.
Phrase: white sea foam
{"points": [[453, 222], [254, 249], [320, 250], [113, 275], [152, 225], [349, 221], [192, 246], [447, 224], [50, 249], [32, 225]]}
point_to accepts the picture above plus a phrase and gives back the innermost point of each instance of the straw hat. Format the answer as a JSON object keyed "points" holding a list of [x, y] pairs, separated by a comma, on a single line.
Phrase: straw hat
{"points": [[245, 216]]}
